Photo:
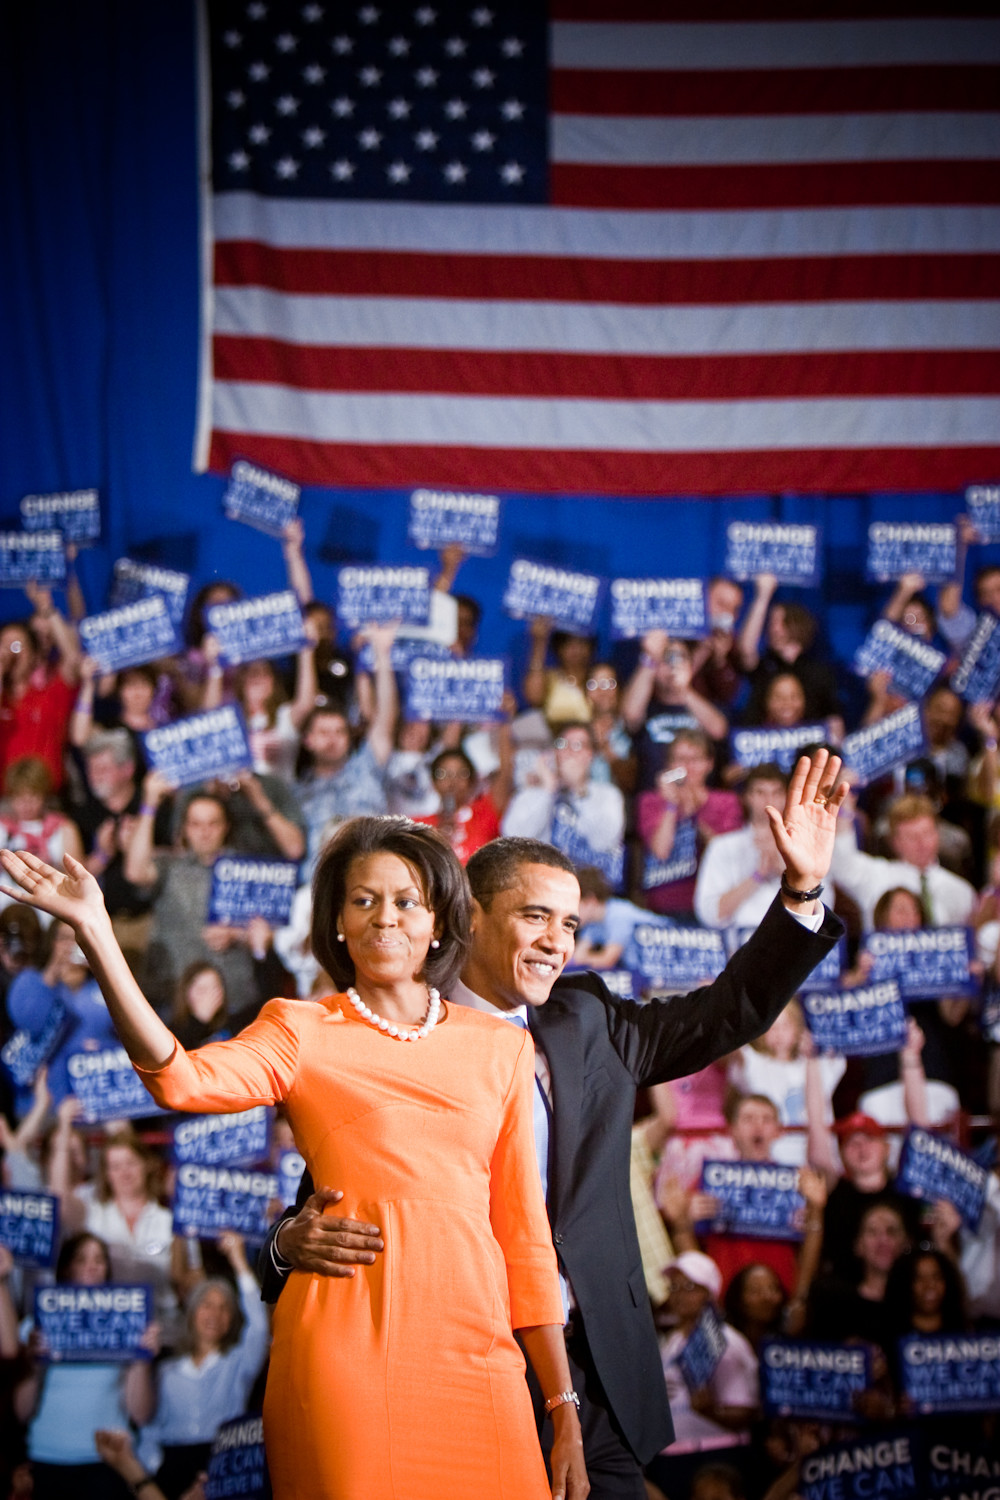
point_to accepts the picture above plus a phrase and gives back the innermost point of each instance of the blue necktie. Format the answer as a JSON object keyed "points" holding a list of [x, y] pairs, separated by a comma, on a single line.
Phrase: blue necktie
{"points": [[540, 1115]]}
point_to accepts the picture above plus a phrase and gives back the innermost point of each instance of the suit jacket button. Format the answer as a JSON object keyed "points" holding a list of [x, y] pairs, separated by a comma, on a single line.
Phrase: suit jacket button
{"points": [[557, 1238]]}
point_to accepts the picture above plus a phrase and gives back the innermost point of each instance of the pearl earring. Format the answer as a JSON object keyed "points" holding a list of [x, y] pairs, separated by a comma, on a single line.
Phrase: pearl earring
{"points": [[340, 937], [435, 943]]}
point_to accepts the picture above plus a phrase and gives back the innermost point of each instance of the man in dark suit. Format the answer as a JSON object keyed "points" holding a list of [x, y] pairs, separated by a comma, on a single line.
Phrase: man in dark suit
{"points": [[593, 1052]]}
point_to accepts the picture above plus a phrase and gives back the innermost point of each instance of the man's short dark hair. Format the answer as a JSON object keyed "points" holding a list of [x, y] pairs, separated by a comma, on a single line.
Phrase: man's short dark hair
{"points": [[593, 882], [494, 867]]}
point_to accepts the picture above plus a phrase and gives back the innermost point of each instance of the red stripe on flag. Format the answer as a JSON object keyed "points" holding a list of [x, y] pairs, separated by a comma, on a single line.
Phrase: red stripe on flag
{"points": [[654, 475], [803, 185], [362, 273], [637, 378]]}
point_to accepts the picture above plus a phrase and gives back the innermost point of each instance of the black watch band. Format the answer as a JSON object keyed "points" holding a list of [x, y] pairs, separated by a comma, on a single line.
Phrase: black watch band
{"points": [[794, 895]]}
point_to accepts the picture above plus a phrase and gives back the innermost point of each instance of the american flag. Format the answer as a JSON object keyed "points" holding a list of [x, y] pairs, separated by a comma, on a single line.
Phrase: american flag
{"points": [[622, 248]]}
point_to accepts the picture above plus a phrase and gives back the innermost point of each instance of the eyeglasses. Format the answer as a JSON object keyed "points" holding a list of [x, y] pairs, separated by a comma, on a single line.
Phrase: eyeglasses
{"points": [[459, 773], [601, 682], [576, 747]]}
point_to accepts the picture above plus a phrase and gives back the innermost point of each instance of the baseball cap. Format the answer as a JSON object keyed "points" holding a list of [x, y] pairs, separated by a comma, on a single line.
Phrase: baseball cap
{"points": [[700, 1269], [859, 1124]]}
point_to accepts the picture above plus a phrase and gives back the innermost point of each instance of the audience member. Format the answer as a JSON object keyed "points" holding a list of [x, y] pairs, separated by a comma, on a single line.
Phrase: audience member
{"points": [[738, 877]]}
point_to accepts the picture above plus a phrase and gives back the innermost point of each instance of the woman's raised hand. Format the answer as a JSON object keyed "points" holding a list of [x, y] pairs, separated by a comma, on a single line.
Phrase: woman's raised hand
{"points": [[71, 895]]}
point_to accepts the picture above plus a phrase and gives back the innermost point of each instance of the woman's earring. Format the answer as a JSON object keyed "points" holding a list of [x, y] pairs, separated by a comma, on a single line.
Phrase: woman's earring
{"points": [[435, 943], [340, 937]]}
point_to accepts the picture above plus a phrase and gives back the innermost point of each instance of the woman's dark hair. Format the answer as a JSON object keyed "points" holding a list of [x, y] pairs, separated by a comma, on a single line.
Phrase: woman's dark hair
{"points": [[562, 638], [733, 1300], [231, 1337], [456, 754], [880, 913], [180, 1010], [21, 935], [899, 1291], [68, 1252], [197, 625], [440, 876], [131, 1142]]}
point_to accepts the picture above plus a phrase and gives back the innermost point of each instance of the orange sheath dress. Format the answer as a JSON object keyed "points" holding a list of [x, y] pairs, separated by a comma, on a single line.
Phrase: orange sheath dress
{"points": [[403, 1382]]}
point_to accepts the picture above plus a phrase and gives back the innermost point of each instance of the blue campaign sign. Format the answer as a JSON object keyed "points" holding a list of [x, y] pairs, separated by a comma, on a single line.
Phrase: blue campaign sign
{"points": [[699, 1359], [982, 506], [932, 1168], [404, 649], [380, 591], [893, 741], [895, 548], [445, 518], [290, 1168], [201, 747], [912, 664], [108, 1087], [568, 599], [31, 556], [865, 1022], [759, 747], [821, 1381], [447, 689], [951, 1372], [756, 1200], [793, 553], [676, 605], [240, 1140], [208, 1200], [102, 1323], [977, 676], [23, 1054], [680, 864], [76, 513], [568, 839], [259, 498], [956, 1471], [886, 1466], [135, 580], [243, 888], [248, 629], [238, 1464], [29, 1226], [929, 964], [826, 974], [676, 958], [621, 982], [131, 634]]}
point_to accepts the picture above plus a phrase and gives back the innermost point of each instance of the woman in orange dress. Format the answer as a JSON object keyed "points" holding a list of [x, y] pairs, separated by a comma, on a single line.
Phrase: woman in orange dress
{"points": [[402, 1381]]}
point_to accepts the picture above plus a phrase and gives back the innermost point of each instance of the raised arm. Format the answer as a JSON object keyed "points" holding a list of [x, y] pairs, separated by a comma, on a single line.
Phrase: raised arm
{"points": [[296, 567], [383, 724], [748, 642]]}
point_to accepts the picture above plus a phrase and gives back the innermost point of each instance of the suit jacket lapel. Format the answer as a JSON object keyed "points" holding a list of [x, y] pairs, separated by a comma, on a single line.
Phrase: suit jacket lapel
{"points": [[556, 1031]]}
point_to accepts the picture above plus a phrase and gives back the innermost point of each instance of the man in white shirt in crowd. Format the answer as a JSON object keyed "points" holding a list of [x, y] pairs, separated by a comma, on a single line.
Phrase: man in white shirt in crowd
{"points": [[738, 877], [583, 818], [947, 899]]}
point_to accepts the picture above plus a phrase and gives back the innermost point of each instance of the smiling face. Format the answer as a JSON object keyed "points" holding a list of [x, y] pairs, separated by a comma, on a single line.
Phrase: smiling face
{"points": [[385, 919], [928, 1287], [915, 841], [212, 1319], [521, 945], [762, 1294], [205, 828], [785, 702], [89, 1266], [125, 1171]]}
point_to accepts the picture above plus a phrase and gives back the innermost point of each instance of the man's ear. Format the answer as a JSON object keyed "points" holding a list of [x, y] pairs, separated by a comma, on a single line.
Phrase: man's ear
{"points": [[476, 915]]}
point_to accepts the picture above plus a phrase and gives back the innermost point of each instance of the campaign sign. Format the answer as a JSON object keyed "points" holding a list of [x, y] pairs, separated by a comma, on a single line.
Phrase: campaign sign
{"points": [[259, 498], [135, 580], [982, 506], [911, 663], [755, 1199], [238, 1464], [820, 1381], [886, 1466], [826, 974], [131, 634], [568, 599], [404, 649], [878, 748], [378, 591], [449, 689], [248, 629], [932, 1168], [895, 548], [977, 676], [620, 982], [676, 605], [76, 513], [676, 958], [243, 888], [951, 1372], [29, 1226], [759, 747], [960, 1472], [201, 747], [791, 552], [699, 1359], [102, 1323], [865, 1022], [31, 556], [108, 1087], [567, 838], [290, 1168], [680, 864], [443, 518], [929, 964], [224, 1140], [23, 1054], [209, 1200]]}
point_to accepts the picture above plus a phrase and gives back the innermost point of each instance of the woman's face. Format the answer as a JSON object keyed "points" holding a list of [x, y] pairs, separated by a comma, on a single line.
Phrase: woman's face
{"points": [[213, 1318], [258, 685], [602, 689], [903, 913], [385, 920], [205, 995], [452, 779], [881, 1239], [928, 1287], [786, 702], [135, 693], [690, 758], [27, 807], [126, 1172], [762, 1294], [573, 654], [89, 1266], [415, 734]]}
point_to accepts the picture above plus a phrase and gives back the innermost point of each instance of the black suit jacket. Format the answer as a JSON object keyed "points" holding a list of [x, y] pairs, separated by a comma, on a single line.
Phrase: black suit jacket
{"points": [[600, 1050]]}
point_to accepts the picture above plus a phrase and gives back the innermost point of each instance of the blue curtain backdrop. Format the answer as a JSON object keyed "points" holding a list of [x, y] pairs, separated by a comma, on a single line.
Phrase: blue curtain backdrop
{"points": [[98, 361]]}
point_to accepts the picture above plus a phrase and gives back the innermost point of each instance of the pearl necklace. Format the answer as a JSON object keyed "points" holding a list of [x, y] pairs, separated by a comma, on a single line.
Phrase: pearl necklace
{"points": [[417, 1035]]}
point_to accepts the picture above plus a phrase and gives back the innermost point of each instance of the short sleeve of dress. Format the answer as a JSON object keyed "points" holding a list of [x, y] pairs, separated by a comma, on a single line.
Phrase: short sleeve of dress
{"points": [[256, 1067]]}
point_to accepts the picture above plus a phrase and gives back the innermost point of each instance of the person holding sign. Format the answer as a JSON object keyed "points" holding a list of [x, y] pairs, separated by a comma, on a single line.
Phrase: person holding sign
{"points": [[427, 1108]]}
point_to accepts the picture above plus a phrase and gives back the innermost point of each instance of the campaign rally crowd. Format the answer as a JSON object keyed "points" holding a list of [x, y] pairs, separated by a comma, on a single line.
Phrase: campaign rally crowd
{"points": [[819, 1213]]}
